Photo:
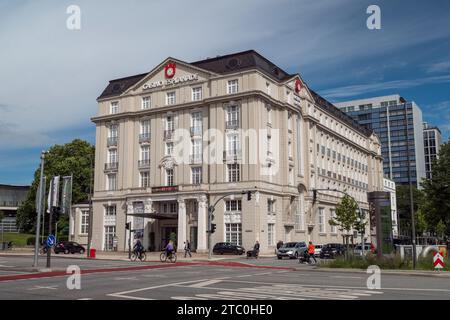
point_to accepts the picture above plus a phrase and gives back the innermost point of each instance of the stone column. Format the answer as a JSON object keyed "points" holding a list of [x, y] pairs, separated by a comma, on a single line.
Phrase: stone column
{"points": [[202, 221], [181, 225]]}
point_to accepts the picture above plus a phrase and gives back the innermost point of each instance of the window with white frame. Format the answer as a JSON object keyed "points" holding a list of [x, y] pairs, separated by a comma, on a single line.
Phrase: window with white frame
{"points": [[271, 234], [169, 148], [233, 205], [197, 150], [333, 229], [145, 179], [145, 153], [232, 86], [270, 206], [146, 102], [268, 91], [300, 214], [145, 128], [197, 122], [321, 221], [196, 175], [111, 182], [233, 233], [114, 107], [170, 123], [111, 211], [113, 131], [169, 177], [84, 223], [197, 94], [234, 172], [112, 156], [170, 98], [233, 116], [233, 144], [110, 234]]}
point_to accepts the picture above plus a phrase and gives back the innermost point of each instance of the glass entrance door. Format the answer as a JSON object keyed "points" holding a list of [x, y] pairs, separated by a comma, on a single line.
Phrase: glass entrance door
{"points": [[110, 233]]}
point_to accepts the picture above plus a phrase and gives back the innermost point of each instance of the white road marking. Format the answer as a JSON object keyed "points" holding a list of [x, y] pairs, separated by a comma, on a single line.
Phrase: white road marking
{"points": [[154, 276], [44, 287], [128, 297], [85, 299], [345, 277], [126, 278], [204, 283], [5, 266]]}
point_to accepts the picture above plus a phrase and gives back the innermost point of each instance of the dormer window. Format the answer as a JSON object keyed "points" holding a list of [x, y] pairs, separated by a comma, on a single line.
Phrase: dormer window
{"points": [[114, 107]]}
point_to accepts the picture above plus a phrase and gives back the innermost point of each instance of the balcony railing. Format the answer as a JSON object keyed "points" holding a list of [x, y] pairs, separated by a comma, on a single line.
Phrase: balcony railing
{"points": [[144, 137], [111, 166], [144, 163], [196, 131], [232, 124], [196, 158], [112, 141], [168, 134], [11, 204], [232, 154]]}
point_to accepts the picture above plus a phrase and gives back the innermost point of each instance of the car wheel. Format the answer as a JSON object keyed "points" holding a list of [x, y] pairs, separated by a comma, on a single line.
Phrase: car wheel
{"points": [[66, 251], [81, 251], [296, 255]]}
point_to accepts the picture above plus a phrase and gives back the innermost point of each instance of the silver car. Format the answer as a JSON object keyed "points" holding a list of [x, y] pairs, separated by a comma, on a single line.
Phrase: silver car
{"points": [[291, 250]]}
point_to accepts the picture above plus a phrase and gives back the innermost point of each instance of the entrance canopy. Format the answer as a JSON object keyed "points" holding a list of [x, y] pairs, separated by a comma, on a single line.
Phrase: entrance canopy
{"points": [[154, 215]]}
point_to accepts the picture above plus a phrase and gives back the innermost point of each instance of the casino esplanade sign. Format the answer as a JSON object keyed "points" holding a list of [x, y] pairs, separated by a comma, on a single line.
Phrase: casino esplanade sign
{"points": [[169, 72]]}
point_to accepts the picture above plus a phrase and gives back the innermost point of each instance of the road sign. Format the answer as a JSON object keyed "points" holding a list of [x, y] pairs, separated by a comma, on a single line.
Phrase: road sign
{"points": [[438, 261], [51, 241]]}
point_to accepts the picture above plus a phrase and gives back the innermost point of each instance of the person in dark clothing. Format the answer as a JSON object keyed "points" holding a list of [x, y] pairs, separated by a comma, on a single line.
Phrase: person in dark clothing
{"points": [[187, 249], [279, 244]]}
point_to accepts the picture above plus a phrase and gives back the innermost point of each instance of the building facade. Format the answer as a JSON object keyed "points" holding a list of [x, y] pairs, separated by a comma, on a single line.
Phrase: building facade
{"points": [[432, 141], [389, 186], [171, 142], [11, 198], [386, 116]]}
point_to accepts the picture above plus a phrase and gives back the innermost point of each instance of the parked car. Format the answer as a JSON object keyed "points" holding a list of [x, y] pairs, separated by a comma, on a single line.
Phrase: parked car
{"points": [[228, 248], [332, 250], [368, 248], [69, 247], [291, 250], [317, 249]]}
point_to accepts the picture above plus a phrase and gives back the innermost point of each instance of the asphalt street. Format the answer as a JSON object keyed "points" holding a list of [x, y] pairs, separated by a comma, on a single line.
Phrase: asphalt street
{"points": [[222, 280]]}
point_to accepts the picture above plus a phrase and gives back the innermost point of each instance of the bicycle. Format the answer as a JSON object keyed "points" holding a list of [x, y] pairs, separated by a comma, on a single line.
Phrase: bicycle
{"points": [[172, 257], [141, 256]]}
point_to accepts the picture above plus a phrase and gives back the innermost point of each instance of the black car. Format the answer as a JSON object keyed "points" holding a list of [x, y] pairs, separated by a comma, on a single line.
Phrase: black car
{"points": [[69, 247], [228, 248], [332, 250]]}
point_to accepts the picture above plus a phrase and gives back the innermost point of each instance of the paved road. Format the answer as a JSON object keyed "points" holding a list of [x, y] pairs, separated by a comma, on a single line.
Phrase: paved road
{"points": [[203, 281]]}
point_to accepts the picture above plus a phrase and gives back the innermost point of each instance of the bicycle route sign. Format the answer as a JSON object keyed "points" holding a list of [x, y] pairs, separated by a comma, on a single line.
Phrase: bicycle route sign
{"points": [[51, 240]]}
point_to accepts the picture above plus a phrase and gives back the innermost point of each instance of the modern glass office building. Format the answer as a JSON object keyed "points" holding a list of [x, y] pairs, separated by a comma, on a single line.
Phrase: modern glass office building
{"points": [[387, 116]]}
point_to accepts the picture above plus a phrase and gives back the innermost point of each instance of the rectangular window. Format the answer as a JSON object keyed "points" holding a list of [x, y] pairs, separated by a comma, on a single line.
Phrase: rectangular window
{"points": [[145, 153], [146, 103], [233, 233], [232, 117], [197, 152], [84, 225], [271, 234], [111, 211], [232, 86], [196, 175], [112, 156], [169, 148], [197, 94], [270, 207], [170, 98], [321, 222], [333, 229], [145, 127], [234, 172], [112, 182], [197, 123], [299, 214], [114, 107], [113, 131], [145, 179], [233, 205], [233, 145], [169, 177], [170, 123]]}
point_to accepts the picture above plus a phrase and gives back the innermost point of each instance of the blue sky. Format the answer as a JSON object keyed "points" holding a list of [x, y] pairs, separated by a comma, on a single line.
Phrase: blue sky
{"points": [[50, 76]]}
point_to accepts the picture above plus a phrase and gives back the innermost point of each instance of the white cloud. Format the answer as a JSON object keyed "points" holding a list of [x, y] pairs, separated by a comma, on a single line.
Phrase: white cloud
{"points": [[438, 67]]}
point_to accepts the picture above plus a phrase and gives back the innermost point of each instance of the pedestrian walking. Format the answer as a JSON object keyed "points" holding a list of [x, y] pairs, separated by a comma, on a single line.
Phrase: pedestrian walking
{"points": [[187, 249], [311, 251]]}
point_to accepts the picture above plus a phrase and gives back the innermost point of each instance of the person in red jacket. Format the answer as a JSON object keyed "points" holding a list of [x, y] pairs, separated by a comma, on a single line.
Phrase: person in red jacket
{"points": [[311, 251]]}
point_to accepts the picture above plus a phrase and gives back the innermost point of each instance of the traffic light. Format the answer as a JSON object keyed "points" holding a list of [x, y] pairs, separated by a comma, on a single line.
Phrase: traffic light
{"points": [[213, 227], [249, 195], [128, 225]]}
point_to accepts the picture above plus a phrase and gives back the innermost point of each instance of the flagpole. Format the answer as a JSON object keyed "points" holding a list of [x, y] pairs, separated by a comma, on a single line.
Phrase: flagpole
{"points": [[38, 222]]}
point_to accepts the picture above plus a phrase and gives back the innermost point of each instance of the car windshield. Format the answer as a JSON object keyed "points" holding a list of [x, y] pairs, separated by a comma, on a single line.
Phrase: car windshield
{"points": [[289, 245]]}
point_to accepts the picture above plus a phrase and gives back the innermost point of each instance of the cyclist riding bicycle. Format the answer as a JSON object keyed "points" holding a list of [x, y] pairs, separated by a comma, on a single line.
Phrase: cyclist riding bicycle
{"points": [[169, 248], [138, 248]]}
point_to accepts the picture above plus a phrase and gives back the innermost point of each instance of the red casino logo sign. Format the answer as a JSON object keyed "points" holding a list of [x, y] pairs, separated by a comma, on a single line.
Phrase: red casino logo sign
{"points": [[170, 70], [298, 85]]}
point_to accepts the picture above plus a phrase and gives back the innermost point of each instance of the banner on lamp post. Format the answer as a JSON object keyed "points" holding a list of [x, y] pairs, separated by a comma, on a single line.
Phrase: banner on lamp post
{"points": [[53, 193], [66, 197]]}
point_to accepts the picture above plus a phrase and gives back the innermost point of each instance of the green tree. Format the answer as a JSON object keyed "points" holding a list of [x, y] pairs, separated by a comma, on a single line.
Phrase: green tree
{"points": [[346, 217], [404, 205], [436, 206], [73, 158], [421, 223], [441, 228]]}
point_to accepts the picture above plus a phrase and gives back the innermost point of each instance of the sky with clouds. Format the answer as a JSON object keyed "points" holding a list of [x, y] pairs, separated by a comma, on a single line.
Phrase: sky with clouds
{"points": [[50, 76]]}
